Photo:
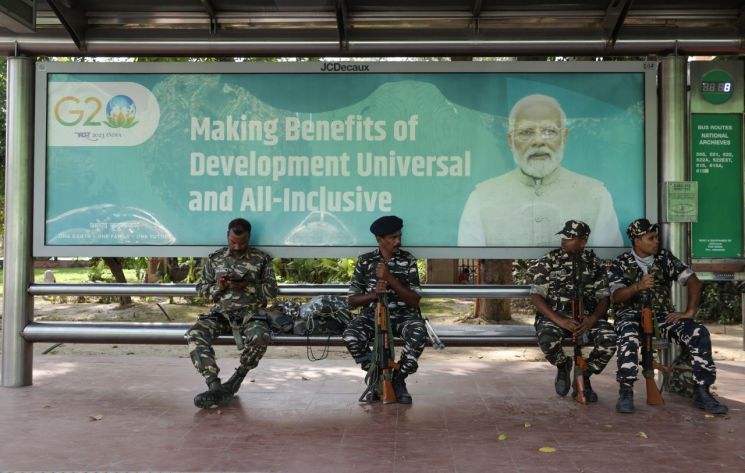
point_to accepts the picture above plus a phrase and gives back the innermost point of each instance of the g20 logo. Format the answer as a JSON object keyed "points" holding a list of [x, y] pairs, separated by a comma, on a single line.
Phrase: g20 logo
{"points": [[120, 111]]}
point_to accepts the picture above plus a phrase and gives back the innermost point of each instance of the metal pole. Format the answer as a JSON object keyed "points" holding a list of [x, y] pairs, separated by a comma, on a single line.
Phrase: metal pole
{"points": [[673, 126], [673, 153], [18, 304]]}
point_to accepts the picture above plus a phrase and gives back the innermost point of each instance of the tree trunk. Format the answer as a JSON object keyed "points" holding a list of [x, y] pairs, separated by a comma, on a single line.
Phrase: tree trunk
{"points": [[156, 269], [495, 272], [115, 265]]}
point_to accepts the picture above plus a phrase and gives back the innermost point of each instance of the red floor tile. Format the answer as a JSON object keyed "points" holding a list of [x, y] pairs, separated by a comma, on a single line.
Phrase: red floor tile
{"points": [[299, 416]]}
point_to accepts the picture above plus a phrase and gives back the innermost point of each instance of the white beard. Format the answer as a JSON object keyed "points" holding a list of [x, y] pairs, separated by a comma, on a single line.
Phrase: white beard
{"points": [[538, 168]]}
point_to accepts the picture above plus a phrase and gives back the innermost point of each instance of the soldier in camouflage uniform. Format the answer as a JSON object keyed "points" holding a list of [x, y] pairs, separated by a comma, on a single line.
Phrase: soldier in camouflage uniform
{"points": [[645, 275], [239, 280], [394, 271], [556, 279]]}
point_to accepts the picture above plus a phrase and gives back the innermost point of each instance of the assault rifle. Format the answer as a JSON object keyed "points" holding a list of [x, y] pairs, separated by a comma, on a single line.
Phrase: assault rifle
{"points": [[436, 342], [380, 374], [578, 315], [654, 397]]}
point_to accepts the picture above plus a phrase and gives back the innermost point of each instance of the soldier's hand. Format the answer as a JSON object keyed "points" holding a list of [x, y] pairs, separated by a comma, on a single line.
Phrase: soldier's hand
{"points": [[586, 325], [381, 287], [238, 285], [222, 282], [675, 316], [567, 324], [381, 272], [646, 282]]}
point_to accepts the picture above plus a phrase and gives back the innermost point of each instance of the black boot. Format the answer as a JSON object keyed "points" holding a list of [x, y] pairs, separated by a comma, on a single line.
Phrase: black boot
{"points": [[563, 377], [590, 395], [212, 397], [233, 384], [625, 404], [703, 399], [399, 387]]}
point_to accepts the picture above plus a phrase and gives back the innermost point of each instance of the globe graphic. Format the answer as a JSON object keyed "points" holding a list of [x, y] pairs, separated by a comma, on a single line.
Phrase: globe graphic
{"points": [[121, 106]]}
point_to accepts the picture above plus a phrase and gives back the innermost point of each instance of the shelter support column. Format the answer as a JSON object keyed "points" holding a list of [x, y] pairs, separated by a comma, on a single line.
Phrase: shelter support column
{"points": [[18, 305], [673, 155]]}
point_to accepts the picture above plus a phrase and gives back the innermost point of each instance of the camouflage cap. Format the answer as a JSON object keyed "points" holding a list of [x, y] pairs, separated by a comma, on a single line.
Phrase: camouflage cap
{"points": [[575, 229], [386, 225], [639, 227]]}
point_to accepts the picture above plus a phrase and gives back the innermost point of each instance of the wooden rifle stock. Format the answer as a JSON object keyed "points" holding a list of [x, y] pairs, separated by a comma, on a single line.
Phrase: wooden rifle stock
{"points": [[654, 397], [580, 365], [386, 354]]}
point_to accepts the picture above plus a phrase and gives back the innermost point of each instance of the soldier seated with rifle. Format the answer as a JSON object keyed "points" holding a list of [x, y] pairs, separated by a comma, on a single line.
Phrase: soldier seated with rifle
{"points": [[391, 270], [570, 292], [643, 277], [239, 280]]}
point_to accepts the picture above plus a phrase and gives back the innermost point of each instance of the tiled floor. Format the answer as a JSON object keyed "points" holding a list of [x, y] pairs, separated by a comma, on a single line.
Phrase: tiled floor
{"points": [[299, 416]]}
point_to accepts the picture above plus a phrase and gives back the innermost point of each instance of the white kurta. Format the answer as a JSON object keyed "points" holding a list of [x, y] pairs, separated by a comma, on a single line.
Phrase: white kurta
{"points": [[516, 210]]}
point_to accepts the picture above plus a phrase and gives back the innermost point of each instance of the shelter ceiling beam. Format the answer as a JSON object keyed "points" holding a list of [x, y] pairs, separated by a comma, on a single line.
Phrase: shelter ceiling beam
{"points": [[342, 23], [741, 21], [73, 19], [478, 6], [328, 45], [615, 15], [210, 10]]}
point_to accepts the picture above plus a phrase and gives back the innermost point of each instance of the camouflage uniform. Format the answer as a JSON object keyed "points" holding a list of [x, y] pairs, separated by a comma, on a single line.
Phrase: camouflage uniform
{"points": [[233, 309], [553, 278], [406, 321], [688, 332]]}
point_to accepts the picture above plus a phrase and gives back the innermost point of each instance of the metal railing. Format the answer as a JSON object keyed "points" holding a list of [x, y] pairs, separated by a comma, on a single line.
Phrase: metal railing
{"points": [[173, 333], [457, 291]]}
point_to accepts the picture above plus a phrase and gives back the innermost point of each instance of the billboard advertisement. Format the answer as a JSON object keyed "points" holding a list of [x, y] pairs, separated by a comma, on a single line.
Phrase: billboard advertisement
{"points": [[479, 159]]}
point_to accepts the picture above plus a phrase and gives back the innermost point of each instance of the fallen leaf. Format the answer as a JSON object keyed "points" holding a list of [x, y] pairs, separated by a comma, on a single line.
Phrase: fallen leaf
{"points": [[96, 417], [47, 406], [709, 416], [547, 449], [713, 387], [642, 435], [527, 424], [502, 437], [481, 356], [304, 378], [251, 380]]}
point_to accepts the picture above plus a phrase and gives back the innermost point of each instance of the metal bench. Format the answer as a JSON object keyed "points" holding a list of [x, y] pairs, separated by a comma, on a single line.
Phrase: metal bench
{"points": [[173, 333], [502, 335]]}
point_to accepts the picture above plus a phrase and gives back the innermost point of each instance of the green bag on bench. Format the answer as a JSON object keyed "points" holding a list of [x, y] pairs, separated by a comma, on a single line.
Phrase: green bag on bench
{"points": [[323, 315]]}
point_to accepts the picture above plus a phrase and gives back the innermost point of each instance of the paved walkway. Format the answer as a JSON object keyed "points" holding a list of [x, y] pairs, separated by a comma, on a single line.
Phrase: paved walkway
{"points": [[298, 416]]}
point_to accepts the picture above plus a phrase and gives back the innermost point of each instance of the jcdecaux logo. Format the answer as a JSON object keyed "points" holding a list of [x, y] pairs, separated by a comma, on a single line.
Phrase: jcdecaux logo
{"points": [[101, 114]]}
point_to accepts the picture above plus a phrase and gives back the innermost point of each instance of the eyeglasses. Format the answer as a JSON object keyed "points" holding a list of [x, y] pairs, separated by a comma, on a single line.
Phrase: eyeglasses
{"points": [[548, 133]]}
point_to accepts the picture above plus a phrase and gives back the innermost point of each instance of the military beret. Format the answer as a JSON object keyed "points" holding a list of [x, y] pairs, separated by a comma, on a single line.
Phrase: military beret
{"points": [[386, 225], [575, 229], [639, 227]]}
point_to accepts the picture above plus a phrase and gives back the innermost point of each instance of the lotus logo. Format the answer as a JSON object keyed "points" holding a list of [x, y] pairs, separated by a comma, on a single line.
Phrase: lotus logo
{"points": [[120, 112]]}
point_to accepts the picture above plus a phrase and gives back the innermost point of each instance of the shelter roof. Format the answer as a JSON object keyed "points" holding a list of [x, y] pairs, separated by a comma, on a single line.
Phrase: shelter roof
{"points": [[371, 27]]}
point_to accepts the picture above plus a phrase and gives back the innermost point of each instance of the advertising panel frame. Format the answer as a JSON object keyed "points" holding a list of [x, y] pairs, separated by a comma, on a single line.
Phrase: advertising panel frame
{"points": [[41, 248]]}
